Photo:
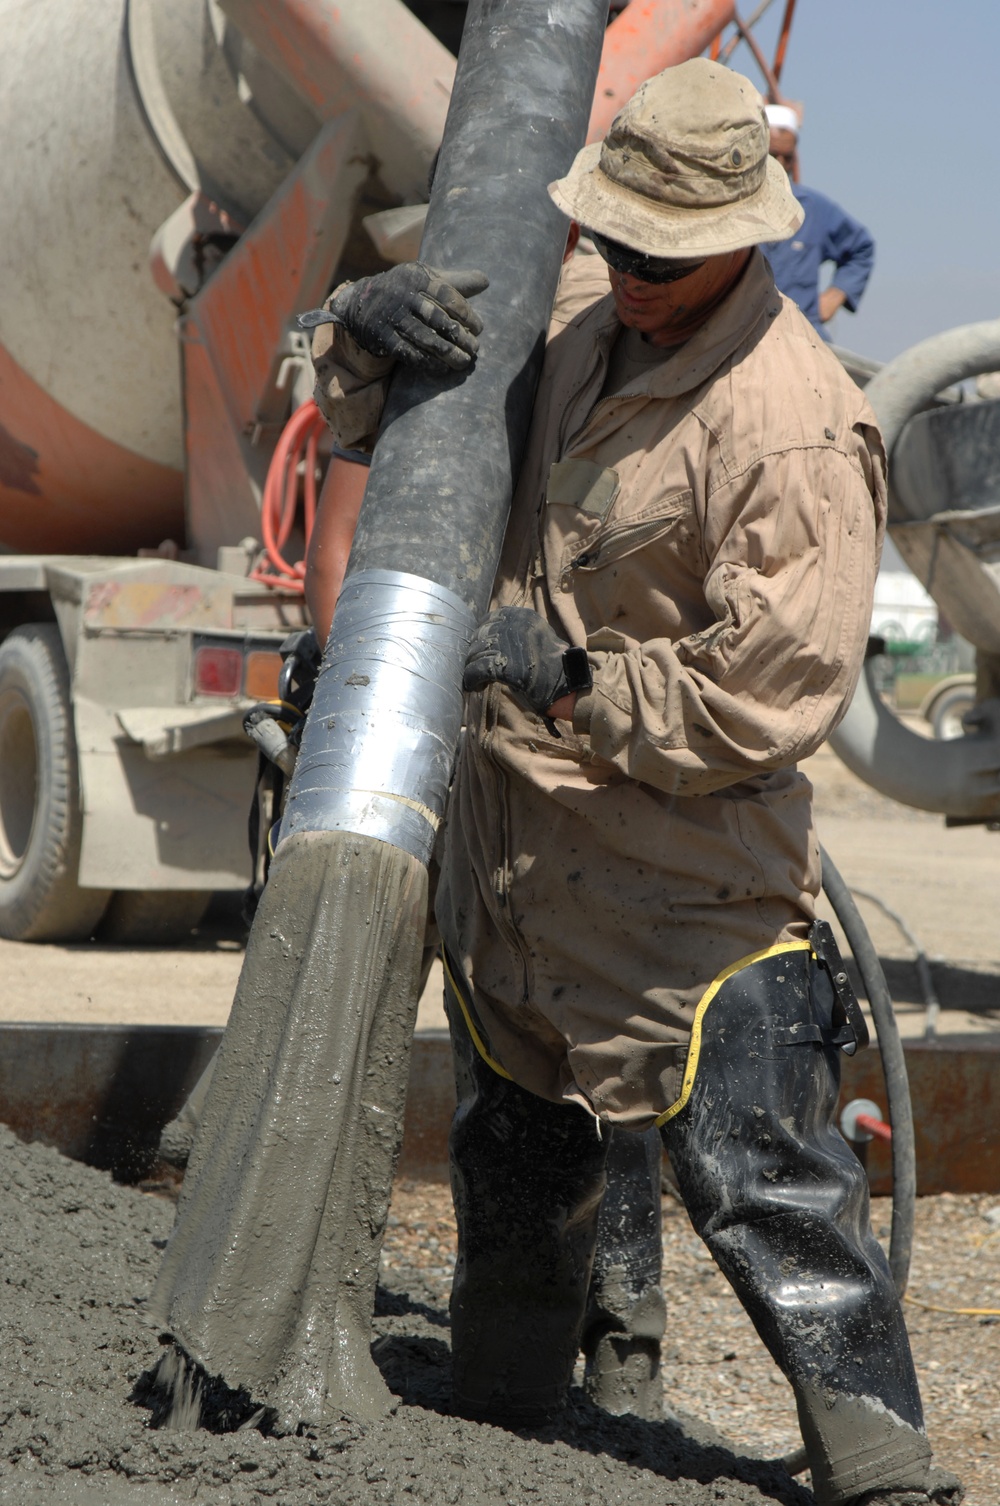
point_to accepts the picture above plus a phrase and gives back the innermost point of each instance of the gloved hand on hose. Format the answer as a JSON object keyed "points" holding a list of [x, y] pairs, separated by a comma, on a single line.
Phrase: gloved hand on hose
{"points": [[416, 314], [517, 647]]}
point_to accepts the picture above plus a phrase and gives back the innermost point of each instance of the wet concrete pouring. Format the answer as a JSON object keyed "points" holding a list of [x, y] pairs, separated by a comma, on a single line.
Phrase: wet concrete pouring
{"points": [[80, 1255]]}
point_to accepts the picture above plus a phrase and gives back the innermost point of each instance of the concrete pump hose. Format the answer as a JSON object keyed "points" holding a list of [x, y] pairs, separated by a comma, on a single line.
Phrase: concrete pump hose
{"points": [[904, 1161], [960, 777], [907, 384]]}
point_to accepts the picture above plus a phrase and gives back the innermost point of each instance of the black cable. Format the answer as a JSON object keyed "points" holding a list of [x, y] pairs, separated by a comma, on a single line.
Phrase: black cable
{"points": [[900, 1113]]}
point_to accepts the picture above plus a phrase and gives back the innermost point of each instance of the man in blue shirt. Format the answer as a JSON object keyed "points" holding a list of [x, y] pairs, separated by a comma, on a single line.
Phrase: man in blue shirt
{"points": [[828, 234]]}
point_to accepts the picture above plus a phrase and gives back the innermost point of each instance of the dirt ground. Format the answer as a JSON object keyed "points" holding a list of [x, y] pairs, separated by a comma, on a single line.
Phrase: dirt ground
{"points": [[716, 1368], [80, 1254], [942, 882]]}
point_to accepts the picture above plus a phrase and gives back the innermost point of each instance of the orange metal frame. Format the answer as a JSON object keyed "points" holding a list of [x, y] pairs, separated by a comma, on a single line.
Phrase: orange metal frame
{"points": [[743, 32]]}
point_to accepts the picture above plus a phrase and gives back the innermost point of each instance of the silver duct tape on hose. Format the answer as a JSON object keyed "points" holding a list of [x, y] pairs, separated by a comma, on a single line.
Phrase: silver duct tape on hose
{"points": [[378, 747]]}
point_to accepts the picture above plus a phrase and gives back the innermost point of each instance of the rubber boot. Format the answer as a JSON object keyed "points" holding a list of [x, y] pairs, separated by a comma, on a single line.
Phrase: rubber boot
{"points": [[782, 1204], [527, 1179], [943, 1489], [895, 1498], [625, 1317]]}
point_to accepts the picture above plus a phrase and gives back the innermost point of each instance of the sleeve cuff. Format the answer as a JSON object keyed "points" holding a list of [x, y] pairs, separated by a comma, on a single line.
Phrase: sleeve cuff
{"points": [[850, 297], [333, 345], [582, 713]]}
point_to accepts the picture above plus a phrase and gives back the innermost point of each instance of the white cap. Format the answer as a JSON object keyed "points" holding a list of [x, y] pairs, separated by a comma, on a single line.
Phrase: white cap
{"points": [[782, 118]]}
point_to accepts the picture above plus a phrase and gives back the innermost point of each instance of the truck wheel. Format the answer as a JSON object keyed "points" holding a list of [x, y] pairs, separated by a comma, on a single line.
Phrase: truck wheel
{"points": [[41, 824], [152, 917], [948, 710]]}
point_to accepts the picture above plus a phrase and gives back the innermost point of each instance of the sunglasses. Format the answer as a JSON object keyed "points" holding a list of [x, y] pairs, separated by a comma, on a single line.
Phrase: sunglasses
{"points": [[645, 268]]}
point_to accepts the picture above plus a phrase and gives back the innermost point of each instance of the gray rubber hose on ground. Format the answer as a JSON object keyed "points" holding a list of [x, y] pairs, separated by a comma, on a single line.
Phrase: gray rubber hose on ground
{"points": [[904, 1164]]}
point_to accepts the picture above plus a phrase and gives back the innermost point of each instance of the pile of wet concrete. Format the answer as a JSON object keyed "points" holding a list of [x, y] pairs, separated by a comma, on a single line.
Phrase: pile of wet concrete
{"points": [[79, 1256]]}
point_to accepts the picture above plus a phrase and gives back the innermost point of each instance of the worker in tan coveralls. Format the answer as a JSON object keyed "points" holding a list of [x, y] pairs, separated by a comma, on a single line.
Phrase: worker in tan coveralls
{"points": [[628, 889]]}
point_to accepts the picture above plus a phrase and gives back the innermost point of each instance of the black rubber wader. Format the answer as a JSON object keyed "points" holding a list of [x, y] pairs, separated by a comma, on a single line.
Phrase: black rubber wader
{"points": [[782, 1204], [626, 1315], [529, 1180], [770, 1185]]}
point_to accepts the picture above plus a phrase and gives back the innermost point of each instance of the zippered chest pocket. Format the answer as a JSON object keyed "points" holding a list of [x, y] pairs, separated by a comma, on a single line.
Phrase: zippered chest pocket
{"points": [[615, 540], [583, 528], [613, 543]]}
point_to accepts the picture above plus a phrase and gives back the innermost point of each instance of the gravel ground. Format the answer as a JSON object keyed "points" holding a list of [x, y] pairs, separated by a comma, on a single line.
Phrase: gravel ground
{"points": [[716, 1367]]}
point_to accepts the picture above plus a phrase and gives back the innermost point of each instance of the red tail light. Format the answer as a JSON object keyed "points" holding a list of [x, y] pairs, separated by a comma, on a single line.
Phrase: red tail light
{"points": [[218, 671]]}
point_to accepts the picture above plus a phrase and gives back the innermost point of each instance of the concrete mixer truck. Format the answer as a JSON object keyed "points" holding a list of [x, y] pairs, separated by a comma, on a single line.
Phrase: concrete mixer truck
{"points": [[179, 180]]}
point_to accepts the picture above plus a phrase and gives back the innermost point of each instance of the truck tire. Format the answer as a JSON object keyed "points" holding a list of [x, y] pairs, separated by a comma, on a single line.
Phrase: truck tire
{"points": [[152, 917], [41, 823], [946, 712]]}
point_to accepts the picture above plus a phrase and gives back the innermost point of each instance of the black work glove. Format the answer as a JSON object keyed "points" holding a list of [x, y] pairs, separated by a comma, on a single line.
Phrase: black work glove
{"points": [[516, 646], [415, 314]]}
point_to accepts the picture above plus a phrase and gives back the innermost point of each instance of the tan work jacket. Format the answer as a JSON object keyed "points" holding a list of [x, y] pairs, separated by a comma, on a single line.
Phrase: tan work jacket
{"points": [[711, 535]]}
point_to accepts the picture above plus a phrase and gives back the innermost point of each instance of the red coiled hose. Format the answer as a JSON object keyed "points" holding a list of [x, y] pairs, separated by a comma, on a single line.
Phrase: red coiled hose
{"points": [[279, 504]]}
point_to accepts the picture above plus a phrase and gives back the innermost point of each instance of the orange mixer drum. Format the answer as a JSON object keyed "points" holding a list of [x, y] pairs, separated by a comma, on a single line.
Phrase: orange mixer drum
{"points": [[66, 489], [111, 115]]}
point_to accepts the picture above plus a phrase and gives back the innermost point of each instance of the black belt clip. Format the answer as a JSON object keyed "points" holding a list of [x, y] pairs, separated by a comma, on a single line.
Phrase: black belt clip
{"points": [[850, 1028]]}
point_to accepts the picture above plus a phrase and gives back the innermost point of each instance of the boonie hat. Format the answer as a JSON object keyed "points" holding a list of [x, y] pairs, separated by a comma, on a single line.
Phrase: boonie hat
{"points": [[684, 169]]}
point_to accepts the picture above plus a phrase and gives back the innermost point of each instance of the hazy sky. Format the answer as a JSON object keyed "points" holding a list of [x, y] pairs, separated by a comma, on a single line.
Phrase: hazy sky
{"points": [[902, 127]]}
